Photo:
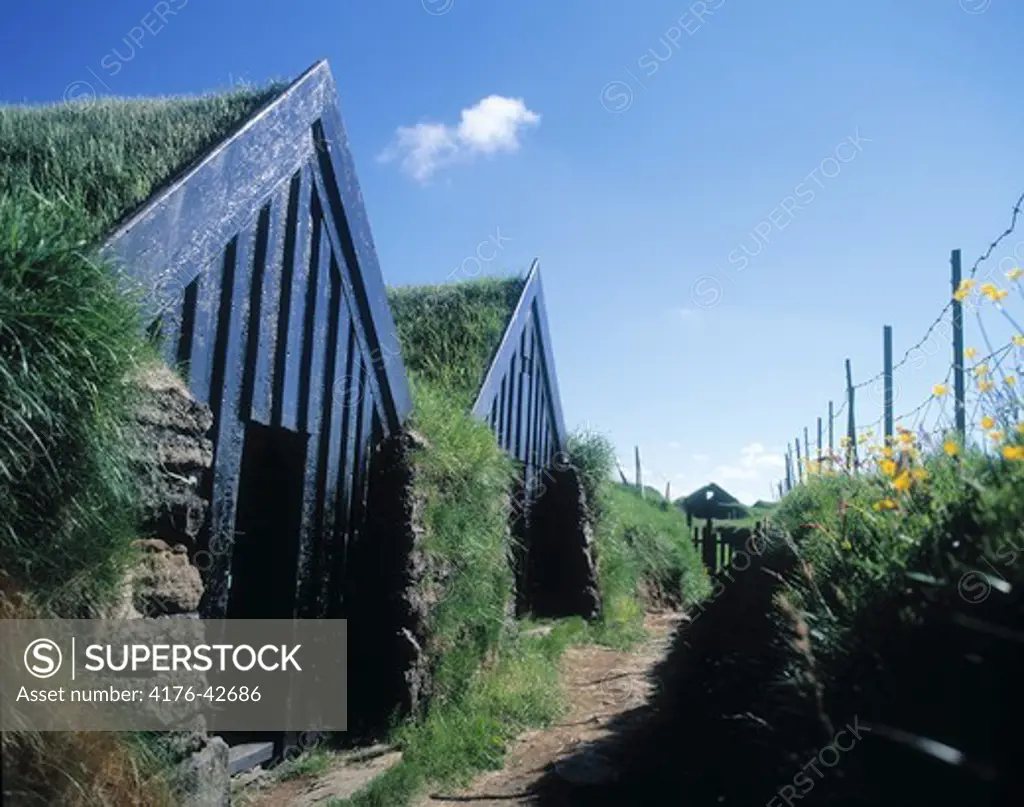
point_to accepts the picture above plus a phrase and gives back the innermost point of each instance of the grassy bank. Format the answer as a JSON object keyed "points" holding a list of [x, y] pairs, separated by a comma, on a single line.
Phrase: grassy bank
{"points": [[891, 603], [70, 339]]}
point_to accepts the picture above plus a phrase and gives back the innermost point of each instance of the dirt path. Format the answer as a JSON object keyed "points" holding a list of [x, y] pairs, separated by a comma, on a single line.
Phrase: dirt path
{"points": [[601, 684]]}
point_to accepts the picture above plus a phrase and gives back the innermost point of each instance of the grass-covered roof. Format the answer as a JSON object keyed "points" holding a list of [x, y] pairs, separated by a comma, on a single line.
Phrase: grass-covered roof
{"points": [[101, 160], [450, 333]]}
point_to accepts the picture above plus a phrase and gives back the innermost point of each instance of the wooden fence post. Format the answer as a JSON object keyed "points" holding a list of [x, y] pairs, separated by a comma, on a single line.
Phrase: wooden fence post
{"points": [[831, 417], [639, 476], [708, 548], [887, 365], [851, 423], [799, 465], [819, 444], [789, 467], [958, 350]]}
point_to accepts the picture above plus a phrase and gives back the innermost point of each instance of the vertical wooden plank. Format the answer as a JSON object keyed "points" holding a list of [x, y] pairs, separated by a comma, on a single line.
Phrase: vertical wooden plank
{"points": [[316, 396], [348, 390], [799, 463], [282, 222], [958, 350], [312, 340], [510, 406], [518, 449], [256, 297], [333, 440], [501, 414], [225, 398], [820, 446], [296, 221], [290, 347], [807, 451], [205, 332]]}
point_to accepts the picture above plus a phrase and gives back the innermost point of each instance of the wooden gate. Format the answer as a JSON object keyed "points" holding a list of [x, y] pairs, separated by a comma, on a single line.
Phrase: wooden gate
{"points": [[262, 282]]}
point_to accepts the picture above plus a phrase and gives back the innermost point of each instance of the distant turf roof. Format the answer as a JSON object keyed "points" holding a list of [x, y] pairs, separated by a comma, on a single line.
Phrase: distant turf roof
{"points": [[105, 158], [450, 333]]}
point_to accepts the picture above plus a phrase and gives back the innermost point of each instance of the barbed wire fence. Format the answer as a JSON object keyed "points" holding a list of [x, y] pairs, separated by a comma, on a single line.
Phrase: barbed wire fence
{"points": [[943, 415]]}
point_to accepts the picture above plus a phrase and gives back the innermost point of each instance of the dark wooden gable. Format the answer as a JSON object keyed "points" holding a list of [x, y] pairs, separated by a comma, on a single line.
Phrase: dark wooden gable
{"points": [[260, 274], [519, 395]]}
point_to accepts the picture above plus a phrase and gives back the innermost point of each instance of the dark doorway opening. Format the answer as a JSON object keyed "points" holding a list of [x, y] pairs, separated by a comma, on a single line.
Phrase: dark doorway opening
{"points": [[267, 523], [264, 560]]}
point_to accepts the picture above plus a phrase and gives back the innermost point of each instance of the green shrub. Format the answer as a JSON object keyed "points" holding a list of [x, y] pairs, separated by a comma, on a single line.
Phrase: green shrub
{"points": [[68, 343]]}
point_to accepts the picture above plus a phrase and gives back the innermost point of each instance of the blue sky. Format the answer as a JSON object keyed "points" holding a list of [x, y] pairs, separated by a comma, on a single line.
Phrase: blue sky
{"points": [[727, 197]]}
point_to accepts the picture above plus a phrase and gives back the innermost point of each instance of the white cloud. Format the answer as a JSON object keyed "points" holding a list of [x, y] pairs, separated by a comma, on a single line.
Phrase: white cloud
{"points": [[490, 126]]}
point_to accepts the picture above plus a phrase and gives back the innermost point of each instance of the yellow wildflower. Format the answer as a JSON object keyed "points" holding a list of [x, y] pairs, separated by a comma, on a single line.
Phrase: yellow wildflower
{"points": [[1002, 294], [902, 482], [985, 385], [1015, 453], [1010, 380], [1018, 340], [920, 474], [964, 289], [906, 438], [951, 447], [996, 436], [1015, 274], [940, 389], [988, 422], [970, 353], [981, 369], [989, 290], [887, 452], [888, 467], [844, 442], [885, 504]]}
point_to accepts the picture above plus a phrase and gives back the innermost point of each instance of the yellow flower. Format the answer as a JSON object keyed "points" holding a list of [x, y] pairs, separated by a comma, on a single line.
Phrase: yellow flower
{"points": [[887, 452], [985, 385], [951, 447], [902, 482], [988, 422], [964, 289], [920, 474], [940, 389], [1010, 380], [844, 442], [1015, 453], [981, 369], [885, 504], [996, 436], [846, 544], [970, 353], [1002, 294], [1015, 274], [906, 438], [989, 290], [888, 467], [1018, 340]]}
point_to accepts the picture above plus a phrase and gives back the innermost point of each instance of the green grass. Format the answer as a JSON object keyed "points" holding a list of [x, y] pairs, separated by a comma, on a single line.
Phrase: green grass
{"points": [[644, 547], [449, 333], [104, 158]]}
